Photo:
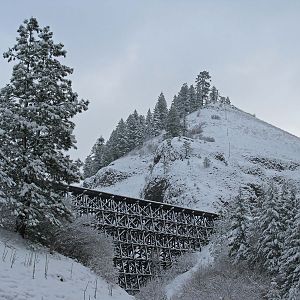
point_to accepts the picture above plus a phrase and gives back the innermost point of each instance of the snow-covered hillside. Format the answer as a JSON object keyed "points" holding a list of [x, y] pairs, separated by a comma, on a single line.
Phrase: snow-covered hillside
{"points": [[28, 273], [226, 148]]}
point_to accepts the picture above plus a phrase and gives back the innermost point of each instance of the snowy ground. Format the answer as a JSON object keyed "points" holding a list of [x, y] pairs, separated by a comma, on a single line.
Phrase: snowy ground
{"points": [[175, 286], [23, 275], [238, 137]]}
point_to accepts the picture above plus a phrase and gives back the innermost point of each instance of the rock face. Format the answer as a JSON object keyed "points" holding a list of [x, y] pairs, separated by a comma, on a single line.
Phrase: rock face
{"points": [[226, 148]]}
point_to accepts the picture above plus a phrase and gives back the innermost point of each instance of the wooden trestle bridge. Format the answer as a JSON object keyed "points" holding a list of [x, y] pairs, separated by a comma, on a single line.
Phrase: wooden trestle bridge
{"points": [[148, 235]]}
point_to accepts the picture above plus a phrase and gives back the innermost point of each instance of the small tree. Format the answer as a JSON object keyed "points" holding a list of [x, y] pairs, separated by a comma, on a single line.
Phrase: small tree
{"points": [[36, 130], [160, 115], [173, 127], [214, 95]]}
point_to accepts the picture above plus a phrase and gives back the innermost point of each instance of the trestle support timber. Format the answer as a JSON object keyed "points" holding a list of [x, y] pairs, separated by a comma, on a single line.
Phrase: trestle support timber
{"points": [[148, 235]]}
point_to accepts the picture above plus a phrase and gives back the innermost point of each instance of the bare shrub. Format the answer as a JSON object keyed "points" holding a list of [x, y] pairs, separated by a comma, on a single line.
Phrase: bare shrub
{"points": [[207, 138], [197, 129], [215, 117], [206, 162]]}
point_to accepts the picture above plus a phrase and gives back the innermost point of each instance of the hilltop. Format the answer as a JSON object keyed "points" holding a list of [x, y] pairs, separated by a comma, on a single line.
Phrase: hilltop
{"points": [[225, 148]]}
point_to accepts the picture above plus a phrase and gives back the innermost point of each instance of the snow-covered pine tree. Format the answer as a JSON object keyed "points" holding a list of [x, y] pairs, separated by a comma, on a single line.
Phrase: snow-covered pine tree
{"points": [[110, 153], [142, 124], [238, 240], [192, 99], [269, 246], [182, 101], [160, 115], [98, 154], [135, 131], [214, 95], [39, 103], [173, 127], [88, 169], [95, 160], [121, 146], [183, 106], [149, 133], [202, 88], [290, 259]]}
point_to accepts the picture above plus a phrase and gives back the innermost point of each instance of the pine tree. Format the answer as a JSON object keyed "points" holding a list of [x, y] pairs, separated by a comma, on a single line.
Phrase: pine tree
{"points": [[88, 169], [214, 95], [98, 152], [96, 159], [160, 115], [238, 245], [182, 101], [149, 132], [192, 99], [269, 226], [135, 131], [202, 88], [173, 123], [290, 259], [36, 108]]}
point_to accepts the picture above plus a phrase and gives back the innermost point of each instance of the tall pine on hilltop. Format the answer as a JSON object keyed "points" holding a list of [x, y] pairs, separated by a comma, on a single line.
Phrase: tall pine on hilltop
{"points": [[202, 88], [160, 114], [35, 127]]}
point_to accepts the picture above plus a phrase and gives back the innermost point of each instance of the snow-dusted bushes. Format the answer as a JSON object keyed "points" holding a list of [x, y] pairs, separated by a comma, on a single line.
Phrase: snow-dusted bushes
{"points": [[207, 138], [155, 289], [82, 242], [215, 117], [223, 280]]}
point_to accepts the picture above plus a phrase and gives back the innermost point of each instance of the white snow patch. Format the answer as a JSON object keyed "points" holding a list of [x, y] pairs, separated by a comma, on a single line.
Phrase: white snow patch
{"points": [[175, 286], [17, 281]]}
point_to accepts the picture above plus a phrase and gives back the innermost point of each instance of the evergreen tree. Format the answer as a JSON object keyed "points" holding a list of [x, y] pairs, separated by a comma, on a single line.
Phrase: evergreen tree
{"points": [[160, 115], [192, 99], [227, 101], [173, 123], [269, 226], [98, 154], [149, 132], [290, 259], [88, 169], [110, 153], [214, 95], [202, 88], [238, 245], [182, 101], [135, 132], [36, 108], [120, 140]]}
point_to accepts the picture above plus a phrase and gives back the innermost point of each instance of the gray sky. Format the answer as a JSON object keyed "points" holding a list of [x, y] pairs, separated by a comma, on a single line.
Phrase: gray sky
{"points": [[125, 52]]}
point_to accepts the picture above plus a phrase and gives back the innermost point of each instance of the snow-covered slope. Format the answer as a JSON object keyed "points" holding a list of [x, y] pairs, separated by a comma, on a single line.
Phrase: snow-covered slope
{"points": [[226, 148], [24, 276]]}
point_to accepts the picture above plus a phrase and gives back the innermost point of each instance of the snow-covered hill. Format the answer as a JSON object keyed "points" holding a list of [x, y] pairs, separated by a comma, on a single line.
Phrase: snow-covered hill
{"points": [[30, 273], [226, 148]]}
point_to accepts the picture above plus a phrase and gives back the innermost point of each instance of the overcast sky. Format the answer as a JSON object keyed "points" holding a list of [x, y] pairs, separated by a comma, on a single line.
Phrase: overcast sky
{"points": [[125, 52]]}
